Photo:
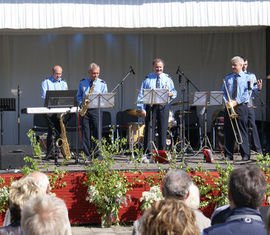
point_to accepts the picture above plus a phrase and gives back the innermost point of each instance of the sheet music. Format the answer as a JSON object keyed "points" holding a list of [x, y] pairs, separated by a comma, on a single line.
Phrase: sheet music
{"points": [[105, 100], [156, 96]]}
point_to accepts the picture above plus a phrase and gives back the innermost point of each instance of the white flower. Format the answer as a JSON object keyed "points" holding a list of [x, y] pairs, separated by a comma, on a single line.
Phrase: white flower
{"points": [[148, 197], [92, 193]]}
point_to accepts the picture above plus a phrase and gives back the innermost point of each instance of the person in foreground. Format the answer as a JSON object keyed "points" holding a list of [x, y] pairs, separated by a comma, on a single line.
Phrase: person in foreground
{"points": [[41, 180], [178, 185], [246, 192], [45, 215], [170, 216], [20, 192]]}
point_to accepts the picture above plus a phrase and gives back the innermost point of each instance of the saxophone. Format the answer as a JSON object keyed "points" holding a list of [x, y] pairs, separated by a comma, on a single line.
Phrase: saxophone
{"points": [[63, 141], [86, 100]]}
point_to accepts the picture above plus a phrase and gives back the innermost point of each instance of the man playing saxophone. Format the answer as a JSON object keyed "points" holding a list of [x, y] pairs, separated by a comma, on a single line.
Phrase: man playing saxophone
{"points": [[235, 86], [92, 84]]}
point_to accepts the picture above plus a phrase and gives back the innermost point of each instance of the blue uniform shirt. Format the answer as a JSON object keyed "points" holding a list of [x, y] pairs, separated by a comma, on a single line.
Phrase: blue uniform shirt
{"points": [[150, 83], [242, 87], [84, 86], [50, 84]]}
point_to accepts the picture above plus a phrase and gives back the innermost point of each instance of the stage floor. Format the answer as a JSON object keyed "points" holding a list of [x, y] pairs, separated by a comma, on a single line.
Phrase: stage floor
{"points": [[123, 162]]}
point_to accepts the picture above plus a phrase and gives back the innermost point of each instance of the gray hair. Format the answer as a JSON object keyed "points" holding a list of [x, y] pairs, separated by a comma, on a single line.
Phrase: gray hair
{"points": [[45, 215], [92, 65], [238, 59], [176, 184], [41, 180]]}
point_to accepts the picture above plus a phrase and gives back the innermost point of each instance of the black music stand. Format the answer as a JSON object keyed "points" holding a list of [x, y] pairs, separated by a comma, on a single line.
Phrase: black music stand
{"points": [[98, 101], [152, 97], [6, 104], [59, 99], [200, 99]]}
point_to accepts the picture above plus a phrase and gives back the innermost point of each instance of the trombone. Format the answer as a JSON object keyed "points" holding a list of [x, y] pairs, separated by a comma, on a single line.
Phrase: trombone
{"points": [[233, 117]]}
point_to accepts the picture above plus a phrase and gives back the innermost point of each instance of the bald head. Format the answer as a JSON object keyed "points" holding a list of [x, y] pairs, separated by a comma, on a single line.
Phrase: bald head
{"points": [[57, 72]]}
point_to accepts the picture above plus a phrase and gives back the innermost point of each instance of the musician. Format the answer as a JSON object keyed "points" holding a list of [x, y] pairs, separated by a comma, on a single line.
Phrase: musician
{"points": [[92, 84], [238, 91], [160, 113], [254, 85], [54, 82]]}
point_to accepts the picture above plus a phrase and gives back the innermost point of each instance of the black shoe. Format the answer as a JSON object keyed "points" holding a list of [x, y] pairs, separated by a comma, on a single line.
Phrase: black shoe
{"points": [[245, 158]]}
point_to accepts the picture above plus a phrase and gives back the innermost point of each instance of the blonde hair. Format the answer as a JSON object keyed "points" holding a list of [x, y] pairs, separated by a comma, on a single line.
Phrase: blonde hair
{"points": [[20, 192], [169, 217]]}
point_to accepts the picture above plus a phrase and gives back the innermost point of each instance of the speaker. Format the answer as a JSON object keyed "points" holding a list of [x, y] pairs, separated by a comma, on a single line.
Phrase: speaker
{"points": [[11, 156]]}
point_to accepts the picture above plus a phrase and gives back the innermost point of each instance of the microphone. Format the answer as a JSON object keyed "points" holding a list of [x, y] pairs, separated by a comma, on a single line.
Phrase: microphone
{"points": [[131, 70], [178, 69]]}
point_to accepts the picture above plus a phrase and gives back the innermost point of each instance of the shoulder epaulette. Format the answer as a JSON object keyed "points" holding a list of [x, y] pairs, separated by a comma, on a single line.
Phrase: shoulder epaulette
{"points": [[82, 79], [101, 80]]}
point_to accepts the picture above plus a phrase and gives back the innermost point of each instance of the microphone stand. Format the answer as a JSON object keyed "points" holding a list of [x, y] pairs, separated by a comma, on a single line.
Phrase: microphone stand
{"points": [[121, 100], [17, 92], [188, 81], [19, 117], [121, 84]]}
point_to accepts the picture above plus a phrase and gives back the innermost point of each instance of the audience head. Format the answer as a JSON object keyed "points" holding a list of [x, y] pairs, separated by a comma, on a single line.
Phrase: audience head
{"points": [[169, 216], [193, 199], [20, 192], [176, 184], [41, 180], [45, 215], [247, 187]]}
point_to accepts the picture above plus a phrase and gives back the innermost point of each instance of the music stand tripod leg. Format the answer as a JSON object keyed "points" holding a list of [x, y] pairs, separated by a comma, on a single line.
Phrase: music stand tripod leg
{"points": [[53, 149]]}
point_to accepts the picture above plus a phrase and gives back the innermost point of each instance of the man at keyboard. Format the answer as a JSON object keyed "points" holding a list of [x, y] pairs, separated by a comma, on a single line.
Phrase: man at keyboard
{"points": [[54, 82]]}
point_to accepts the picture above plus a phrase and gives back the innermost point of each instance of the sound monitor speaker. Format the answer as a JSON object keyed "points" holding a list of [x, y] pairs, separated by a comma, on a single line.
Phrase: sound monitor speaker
{"points": [[12, 156]]}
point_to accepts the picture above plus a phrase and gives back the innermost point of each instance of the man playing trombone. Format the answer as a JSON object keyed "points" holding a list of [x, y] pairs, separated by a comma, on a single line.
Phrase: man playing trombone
{"points": [[235, 89]]}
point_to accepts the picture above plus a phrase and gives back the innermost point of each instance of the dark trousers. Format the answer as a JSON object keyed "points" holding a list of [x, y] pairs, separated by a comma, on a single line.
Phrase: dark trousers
{"points": [[90, 128], [160, 115], [254, 132], [229, 139]]}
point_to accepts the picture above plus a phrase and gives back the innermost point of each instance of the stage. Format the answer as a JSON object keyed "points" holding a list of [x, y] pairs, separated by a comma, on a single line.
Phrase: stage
{"points": [[74, 192], [127, 163]]}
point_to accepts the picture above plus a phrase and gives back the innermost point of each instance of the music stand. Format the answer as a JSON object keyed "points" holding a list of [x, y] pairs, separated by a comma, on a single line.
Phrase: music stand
{"points": [[98, 101], [153, 97], [200, 99], [6, 104], [59, 99]]}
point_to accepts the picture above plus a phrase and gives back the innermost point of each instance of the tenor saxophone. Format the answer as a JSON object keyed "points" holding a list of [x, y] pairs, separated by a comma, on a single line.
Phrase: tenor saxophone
{"points": [[63, 141], [87, 101]]}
